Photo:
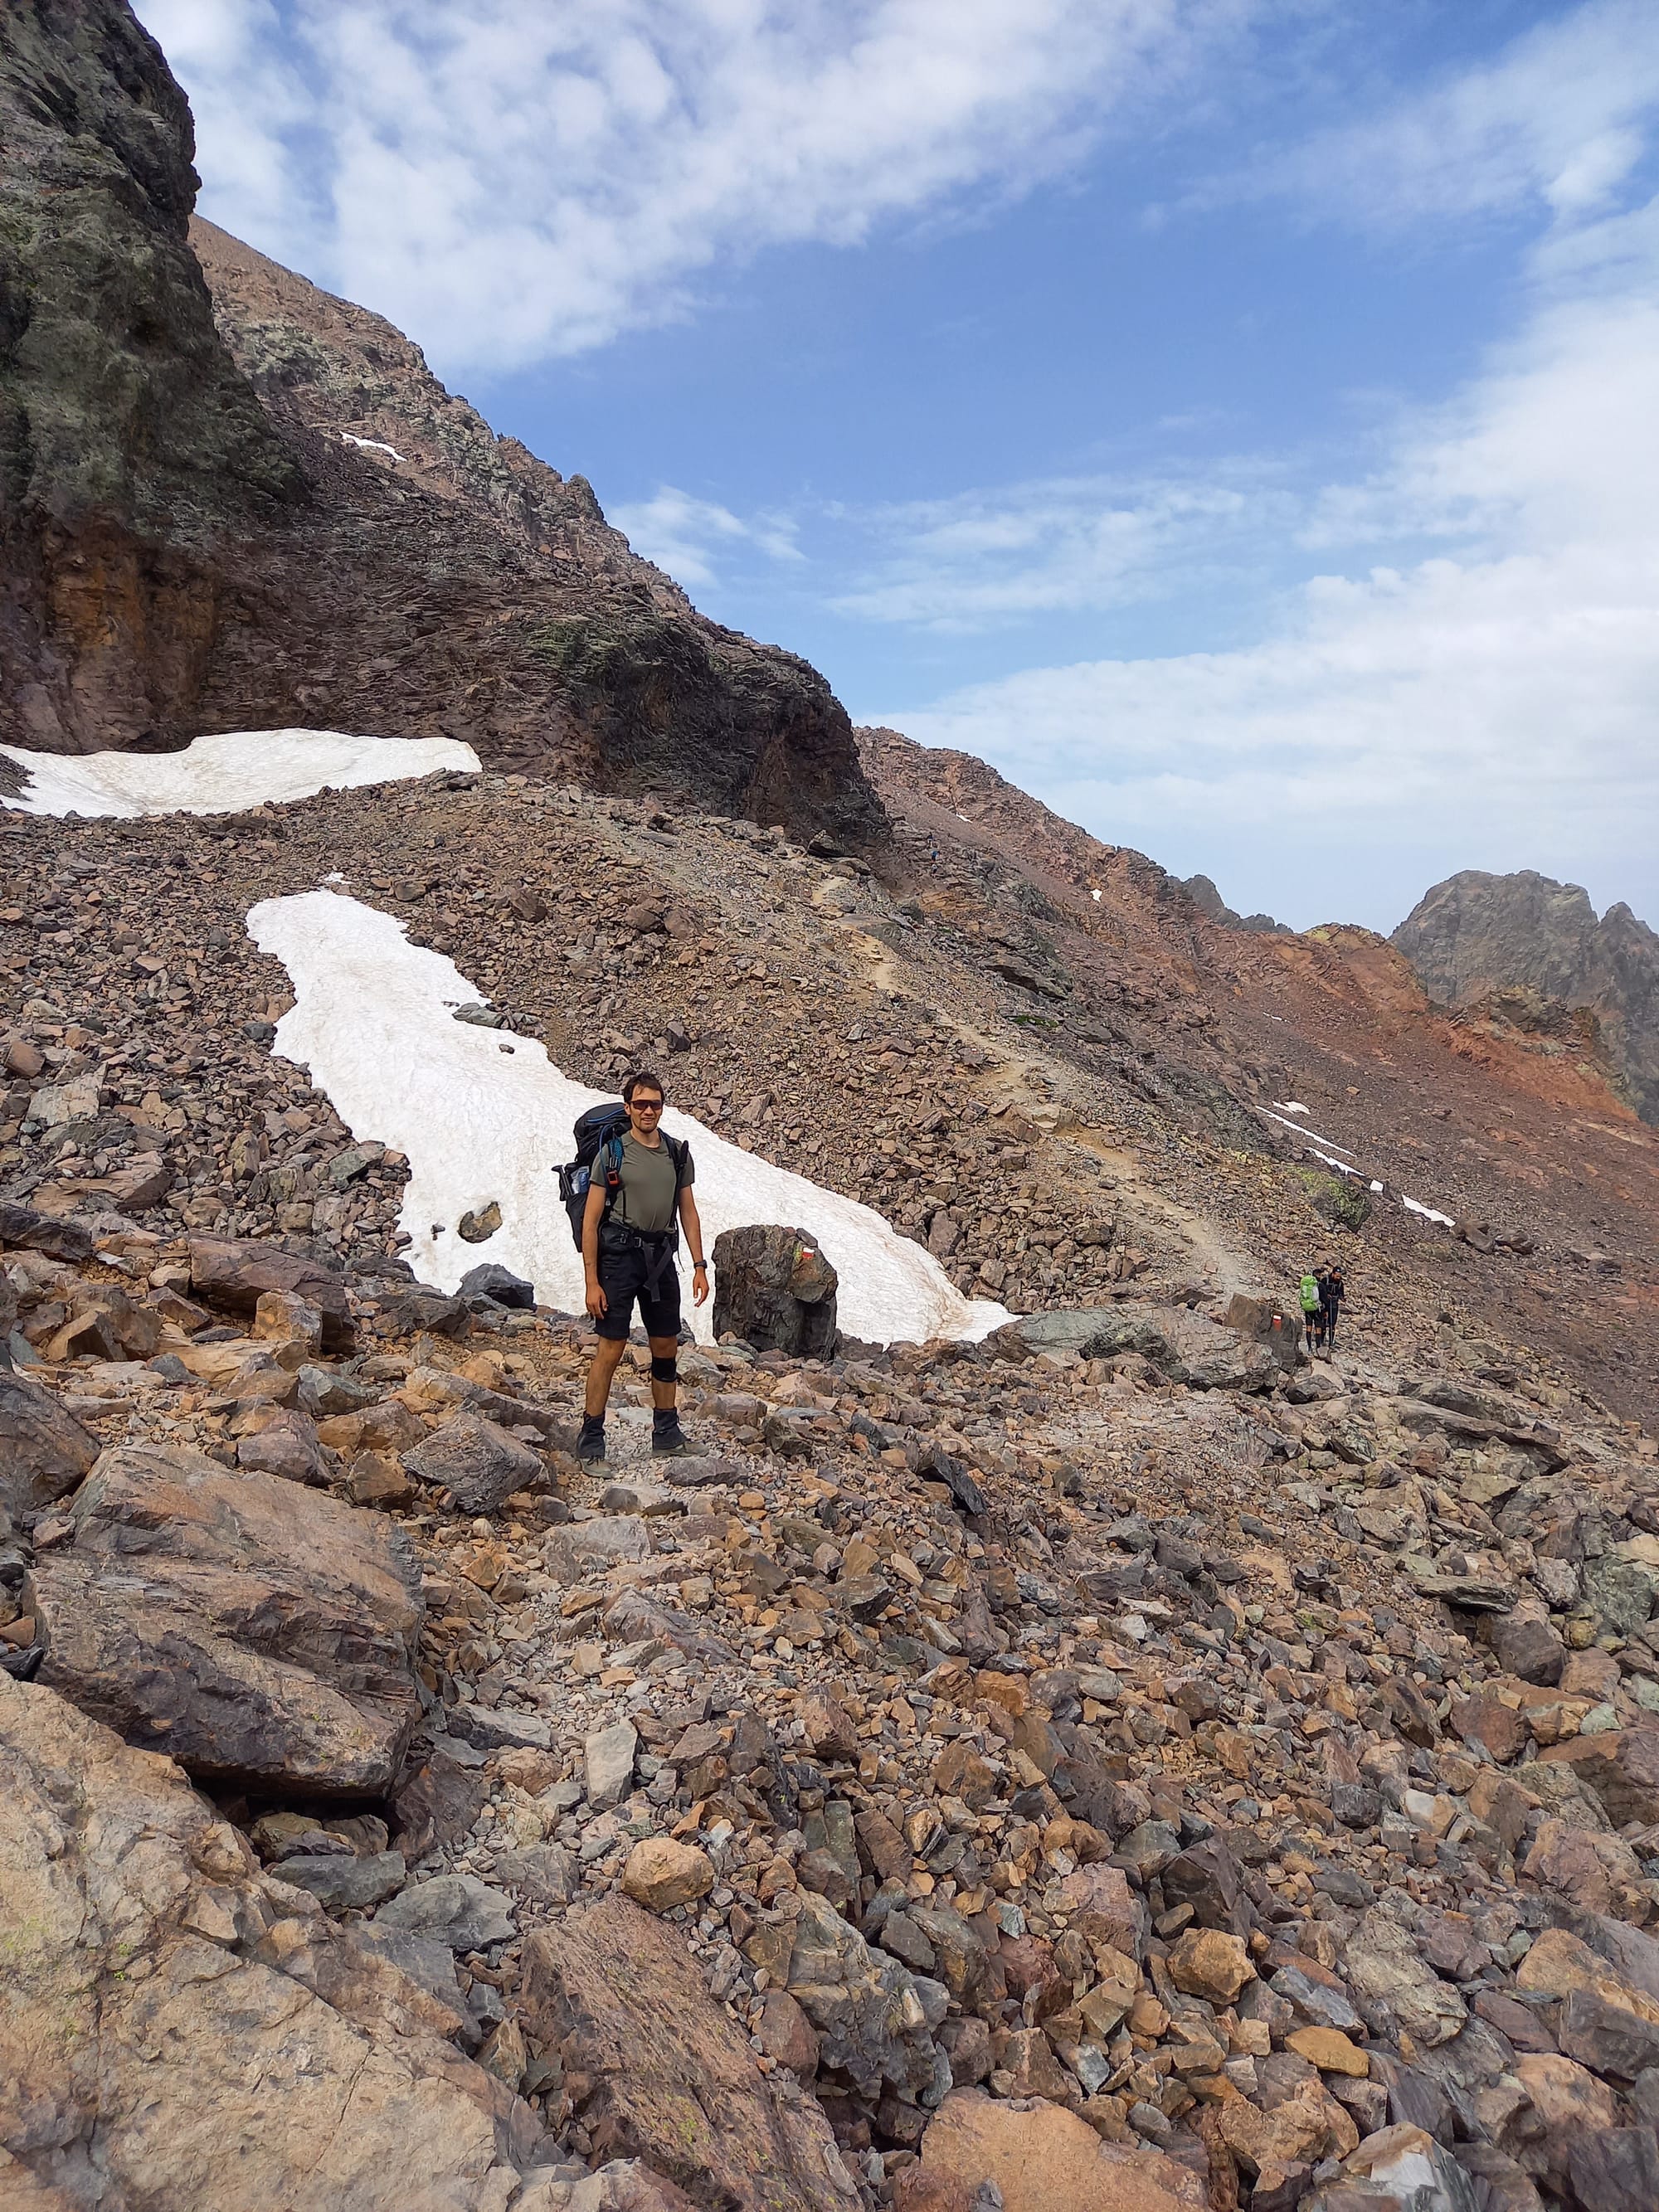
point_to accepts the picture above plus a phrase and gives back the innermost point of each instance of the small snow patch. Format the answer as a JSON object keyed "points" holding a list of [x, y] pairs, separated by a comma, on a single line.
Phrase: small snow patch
{"points": [[226, 774], [1291, 1106], [1428, 1213], [1095, 895], [1309, 1133], [371, 445], [374, 1021]]}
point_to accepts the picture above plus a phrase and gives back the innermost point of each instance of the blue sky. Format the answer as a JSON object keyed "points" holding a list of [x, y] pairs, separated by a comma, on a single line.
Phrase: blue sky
{"points": [[1233, 418]]}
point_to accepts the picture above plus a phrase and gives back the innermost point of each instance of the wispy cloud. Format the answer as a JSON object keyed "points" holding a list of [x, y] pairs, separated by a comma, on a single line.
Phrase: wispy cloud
{"points": [[686, 536], [512, 181], [1494, 701], [1555, 122], [1060, 545]]}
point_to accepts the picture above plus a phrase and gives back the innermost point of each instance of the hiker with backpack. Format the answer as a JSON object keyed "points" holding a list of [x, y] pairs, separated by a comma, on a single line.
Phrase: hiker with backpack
{"points": [[1313, 1309], [629, 1193]]}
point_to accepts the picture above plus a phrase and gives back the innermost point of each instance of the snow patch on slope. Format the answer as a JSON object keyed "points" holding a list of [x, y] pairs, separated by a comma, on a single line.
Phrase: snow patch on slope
{"points": [[226, 774], [482, 1113]]}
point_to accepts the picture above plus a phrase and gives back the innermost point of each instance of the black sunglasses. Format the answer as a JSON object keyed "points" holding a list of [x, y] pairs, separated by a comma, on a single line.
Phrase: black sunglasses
{"points": [[644, 1105]]}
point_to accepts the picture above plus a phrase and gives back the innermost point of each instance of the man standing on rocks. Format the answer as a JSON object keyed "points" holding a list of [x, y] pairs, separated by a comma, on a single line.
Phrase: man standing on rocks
{"points": [[640, 1195]]}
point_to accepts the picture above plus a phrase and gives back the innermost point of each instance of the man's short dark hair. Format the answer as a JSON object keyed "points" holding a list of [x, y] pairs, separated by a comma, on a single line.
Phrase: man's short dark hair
{"points": [[643, 1079]]}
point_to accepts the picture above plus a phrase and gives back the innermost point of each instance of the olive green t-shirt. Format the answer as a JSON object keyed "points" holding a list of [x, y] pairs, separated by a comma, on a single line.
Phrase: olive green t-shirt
{"points": [[645, 1200]]}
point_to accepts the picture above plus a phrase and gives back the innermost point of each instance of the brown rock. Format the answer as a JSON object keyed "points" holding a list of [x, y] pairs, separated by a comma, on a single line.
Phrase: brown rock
{"points": [[830, 1729], [657, 2071], [1307, 2124], [1204, 1963], [786, 2034], [1499, 1731], [774, 1288], [233, 1274], [1044, 2159], [661, 1874], [260, 1633], [148, 2019], [1329, 2050], [960, 1771], [43, 1451], [475, 1459], [1621, 1766]]}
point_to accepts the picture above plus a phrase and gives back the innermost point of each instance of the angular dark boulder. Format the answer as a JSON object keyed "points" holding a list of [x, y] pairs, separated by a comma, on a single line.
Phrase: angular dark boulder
{"points": [[260, 1632], [43, 1451], [233, 1274], [774, 1288]]}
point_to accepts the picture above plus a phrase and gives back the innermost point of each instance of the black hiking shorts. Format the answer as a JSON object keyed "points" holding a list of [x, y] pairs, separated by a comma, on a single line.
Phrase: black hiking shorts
{"points": [[623, 1277]]}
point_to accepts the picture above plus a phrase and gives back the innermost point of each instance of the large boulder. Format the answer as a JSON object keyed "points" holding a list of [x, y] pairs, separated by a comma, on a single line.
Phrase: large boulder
{"points": [[177, 2028], [260, 1632], [1042, 2159], [477, 1462], [234, 1273], [658, 2072], [774, 1288], [43, 1451]]}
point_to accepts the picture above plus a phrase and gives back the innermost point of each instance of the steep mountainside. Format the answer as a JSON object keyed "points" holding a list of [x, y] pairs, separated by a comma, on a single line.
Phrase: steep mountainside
{"points": [[1476, 935], [180, 557], [1499, 1116]]}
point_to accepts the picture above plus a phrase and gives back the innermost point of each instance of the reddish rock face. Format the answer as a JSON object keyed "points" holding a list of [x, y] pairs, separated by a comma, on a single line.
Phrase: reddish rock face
{"points": [[262, 1633], [660, 2073]]}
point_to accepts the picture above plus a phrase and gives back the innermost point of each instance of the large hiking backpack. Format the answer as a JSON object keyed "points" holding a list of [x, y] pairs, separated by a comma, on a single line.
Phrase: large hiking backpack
{"points": [[598, 1133]]}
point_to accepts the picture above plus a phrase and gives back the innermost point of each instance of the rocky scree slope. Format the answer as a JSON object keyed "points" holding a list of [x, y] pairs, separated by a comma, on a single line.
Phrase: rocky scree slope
{"points": [[1477, 936], [182, 555], [1051, 1140], [1117, 1762]]}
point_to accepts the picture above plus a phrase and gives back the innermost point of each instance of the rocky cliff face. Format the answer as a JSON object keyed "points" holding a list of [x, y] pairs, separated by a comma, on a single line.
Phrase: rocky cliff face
{"points": [[129, 444], [1476, 936], [287, 520]]}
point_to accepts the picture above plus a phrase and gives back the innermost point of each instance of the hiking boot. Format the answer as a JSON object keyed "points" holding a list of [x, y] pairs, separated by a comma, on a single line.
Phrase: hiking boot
{"points": [[590, 1445], [667, 1437]]}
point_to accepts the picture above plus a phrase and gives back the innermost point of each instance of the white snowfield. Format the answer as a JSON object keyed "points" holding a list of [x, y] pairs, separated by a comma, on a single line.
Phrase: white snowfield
{"points": [[482, 1113], [226, 774]]}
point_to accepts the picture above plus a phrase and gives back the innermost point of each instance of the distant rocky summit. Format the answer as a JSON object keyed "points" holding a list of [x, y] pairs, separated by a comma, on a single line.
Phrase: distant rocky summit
{"points": [[1476, 935], [286, 520], [1209, 900]]}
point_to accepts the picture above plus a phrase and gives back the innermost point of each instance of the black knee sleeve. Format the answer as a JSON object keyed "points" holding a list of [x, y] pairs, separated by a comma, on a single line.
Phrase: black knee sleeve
{"points": [[665, 1370]]}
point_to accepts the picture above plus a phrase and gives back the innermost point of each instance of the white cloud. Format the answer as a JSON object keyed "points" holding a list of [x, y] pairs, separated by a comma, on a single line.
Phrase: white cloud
{"points": [[1495, 703], [1064, 544], [1553, 122], [684, 535], [513, 178]]}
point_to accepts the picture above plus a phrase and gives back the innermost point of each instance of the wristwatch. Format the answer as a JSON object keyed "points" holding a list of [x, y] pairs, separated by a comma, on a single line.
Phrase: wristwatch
{"points": [[700, 1267]]}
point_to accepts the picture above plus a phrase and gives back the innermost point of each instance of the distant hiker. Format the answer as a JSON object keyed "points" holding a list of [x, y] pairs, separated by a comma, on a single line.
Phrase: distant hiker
{"points": [[1332, 1291], [1311, 1309], [638, 1197]]}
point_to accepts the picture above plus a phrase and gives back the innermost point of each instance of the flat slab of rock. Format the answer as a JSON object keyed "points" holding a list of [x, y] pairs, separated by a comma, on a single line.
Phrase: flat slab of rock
{"points": [[258, 1632], [43, 1451], [457, 1909], [233, 1274], [661, 2074], [157, 2046], [1044, 2159], [1186, 1347]]}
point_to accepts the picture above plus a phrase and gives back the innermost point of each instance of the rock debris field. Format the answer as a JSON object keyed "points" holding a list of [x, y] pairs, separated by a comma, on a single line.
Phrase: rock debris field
{"points": [[1112, 1766]]}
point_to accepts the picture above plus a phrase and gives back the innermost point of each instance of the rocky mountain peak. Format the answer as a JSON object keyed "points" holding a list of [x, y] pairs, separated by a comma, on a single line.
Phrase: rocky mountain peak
{"points": [[1476, 935]]}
